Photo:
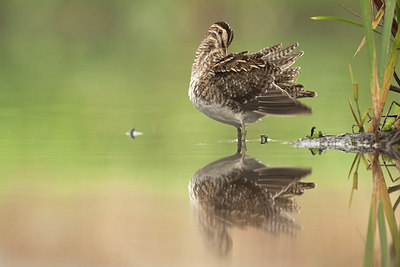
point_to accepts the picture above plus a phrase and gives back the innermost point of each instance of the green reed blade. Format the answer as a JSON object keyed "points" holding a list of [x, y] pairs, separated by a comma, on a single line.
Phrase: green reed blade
{"points": [[386, 33], [369, 245], [390, 218], [364, 160], [354, 114], [352, 165], [364, 117], [369, 36], [382, 236], [371, 55], [348, 21], [370, 42], [355, 184], [352, 22]]}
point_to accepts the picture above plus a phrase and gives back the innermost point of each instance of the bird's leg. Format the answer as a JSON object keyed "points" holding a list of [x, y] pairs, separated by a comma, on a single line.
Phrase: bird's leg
{"points": [[239, 140], [242, 139]]}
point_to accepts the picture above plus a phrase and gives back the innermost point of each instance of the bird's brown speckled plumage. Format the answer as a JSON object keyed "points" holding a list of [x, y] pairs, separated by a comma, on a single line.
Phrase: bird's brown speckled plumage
{"points": [[240, 88], [242, 192]]}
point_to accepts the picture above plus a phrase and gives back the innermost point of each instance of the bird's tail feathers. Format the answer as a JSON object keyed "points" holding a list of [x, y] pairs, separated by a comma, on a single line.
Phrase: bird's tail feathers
{"points": [[297, 90], [277, 101]]}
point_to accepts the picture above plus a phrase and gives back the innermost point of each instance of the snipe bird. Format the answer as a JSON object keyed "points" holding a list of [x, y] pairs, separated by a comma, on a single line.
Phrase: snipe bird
{"points": [[240, 192], [240, 88]]}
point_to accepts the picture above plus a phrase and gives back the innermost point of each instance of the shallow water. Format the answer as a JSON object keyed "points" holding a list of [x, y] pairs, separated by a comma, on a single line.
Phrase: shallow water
{"points": [[76, 190], [83, 205]]}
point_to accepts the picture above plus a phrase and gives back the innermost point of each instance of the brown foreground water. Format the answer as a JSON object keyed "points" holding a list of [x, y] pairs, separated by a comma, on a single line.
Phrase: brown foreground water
{"points": [[127, 215]]}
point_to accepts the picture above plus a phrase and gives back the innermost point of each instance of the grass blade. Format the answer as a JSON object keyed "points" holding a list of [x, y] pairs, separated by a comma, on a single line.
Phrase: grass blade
{"points": [[353, 164], [364, 160], [351, 74], [390, 218], [375, 24], [359, 47], [352, 22], [376, 175], [355, 85], [386, 33], [382, 236], [397, 11], [380, 188], [371, 54], [389, 72], [369, 37], [364, 117], [355, 183], [378, 18], [348, 21], [369, 244], [354, 114]]}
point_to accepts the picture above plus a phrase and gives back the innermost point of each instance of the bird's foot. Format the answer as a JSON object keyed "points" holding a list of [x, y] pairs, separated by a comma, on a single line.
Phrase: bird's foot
{"points": [[241, 147]]}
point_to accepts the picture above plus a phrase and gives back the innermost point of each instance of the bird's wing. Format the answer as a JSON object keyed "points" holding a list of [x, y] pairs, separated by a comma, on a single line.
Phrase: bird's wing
{"points": [[238, 62], [276, 101], [249, 79], [278, 180], [283, 57]]}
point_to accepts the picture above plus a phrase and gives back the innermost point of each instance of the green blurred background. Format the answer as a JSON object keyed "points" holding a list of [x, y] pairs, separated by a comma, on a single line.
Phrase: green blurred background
{"points": [[75, 76]]}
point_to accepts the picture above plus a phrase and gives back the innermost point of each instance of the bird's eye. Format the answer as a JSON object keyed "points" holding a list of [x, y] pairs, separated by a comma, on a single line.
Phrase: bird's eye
{"points": [[220, 31]]}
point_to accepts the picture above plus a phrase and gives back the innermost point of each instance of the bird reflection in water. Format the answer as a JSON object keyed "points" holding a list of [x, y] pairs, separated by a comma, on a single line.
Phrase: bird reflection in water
{"points": [[239, 191]]}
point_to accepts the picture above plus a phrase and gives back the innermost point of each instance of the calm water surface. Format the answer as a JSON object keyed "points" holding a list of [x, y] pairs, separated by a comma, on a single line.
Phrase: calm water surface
{"points": [[91, 201]]}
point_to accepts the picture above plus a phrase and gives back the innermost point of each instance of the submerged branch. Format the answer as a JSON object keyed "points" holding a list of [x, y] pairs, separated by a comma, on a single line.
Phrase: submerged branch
{"points": [[355, 143]]}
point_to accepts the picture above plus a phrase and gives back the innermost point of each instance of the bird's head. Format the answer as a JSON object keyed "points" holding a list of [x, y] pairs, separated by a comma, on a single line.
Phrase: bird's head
{"points": [[219, 36]]}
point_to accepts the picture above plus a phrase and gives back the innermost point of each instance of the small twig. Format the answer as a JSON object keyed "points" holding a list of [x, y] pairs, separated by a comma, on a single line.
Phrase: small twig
{"points": [[390, 165], [393, 188], [394, 88], [312, 130], [396, 78], [369, 117], [354, 13], [387, 114], [396, 204], [349, 10], [387, 169]]}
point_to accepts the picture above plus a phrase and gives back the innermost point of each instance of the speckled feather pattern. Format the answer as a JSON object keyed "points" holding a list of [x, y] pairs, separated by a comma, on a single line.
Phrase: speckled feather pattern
{"points": [[237, 82], [243, 192]]}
